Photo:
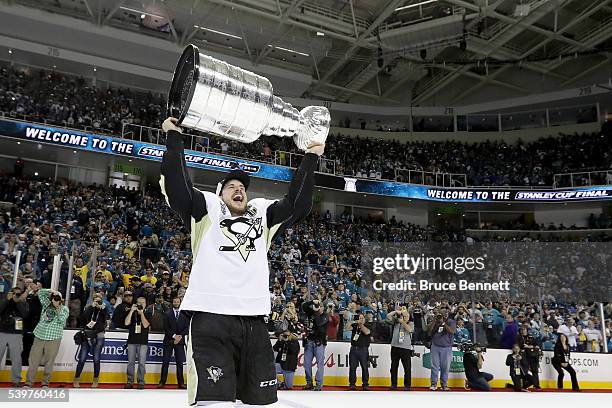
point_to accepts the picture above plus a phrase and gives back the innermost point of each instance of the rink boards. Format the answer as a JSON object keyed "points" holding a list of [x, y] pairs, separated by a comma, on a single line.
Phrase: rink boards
{"points": [[594, 370]]}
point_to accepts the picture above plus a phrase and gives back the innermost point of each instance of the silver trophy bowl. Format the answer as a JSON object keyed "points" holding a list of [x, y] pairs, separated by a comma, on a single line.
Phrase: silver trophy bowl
{"points": [[214, 97]]}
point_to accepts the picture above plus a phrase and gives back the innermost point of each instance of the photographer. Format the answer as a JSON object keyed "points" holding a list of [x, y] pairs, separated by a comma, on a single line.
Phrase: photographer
{"points": [[287, 348], [93, 324], [137, 321], [122, 310], [401, 346], [521, 378], [47, 335], [13, 309], [314, 342], [562, 361], [441, 330], [531, 352], [418, 317], [359, 354], [472, 362]]}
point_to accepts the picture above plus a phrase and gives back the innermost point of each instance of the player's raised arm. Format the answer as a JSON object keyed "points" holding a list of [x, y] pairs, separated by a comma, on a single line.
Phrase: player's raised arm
{"points": [[175, 183], [297, 203]]}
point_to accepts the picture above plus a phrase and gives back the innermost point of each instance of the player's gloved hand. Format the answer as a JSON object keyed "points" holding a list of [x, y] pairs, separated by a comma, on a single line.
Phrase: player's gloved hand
{"points": [[170, 124]]}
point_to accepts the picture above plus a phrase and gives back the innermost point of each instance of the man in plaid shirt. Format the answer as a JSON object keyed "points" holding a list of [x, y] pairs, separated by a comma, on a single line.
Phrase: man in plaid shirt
{"points": [[47, 335]]}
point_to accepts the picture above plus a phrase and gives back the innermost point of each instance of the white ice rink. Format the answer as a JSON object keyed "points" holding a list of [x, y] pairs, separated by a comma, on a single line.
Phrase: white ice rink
{"points": [[106, 398]]}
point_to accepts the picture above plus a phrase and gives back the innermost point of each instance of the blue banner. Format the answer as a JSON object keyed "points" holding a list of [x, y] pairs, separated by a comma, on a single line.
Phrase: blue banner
{"points": [[115, 351], [124, 147], [141, 150], [476, 195]]}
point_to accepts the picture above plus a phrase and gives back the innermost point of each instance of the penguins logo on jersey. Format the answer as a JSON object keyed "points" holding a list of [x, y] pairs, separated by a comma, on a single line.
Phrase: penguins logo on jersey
{"points": [[243, 232]]}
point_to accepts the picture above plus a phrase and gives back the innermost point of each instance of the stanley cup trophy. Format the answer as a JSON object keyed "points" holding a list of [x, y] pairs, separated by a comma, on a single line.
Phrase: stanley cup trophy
{"points": [[214, 97]]}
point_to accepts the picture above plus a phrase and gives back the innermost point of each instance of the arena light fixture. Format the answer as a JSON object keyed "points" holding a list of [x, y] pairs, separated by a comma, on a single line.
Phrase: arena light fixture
{"points": [[289, 50], [217, 32], [320, 34], [407, 6], [142, 13]]}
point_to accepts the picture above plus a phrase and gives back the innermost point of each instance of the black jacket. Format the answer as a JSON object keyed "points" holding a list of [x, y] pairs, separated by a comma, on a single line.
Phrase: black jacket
{"points": [[316, 327], [173, 326], [362, 340], [9, 311], [120, 314], [523, 365], [34, 311], [533, 353], [90, 313], [291, 350], [560, 355]]}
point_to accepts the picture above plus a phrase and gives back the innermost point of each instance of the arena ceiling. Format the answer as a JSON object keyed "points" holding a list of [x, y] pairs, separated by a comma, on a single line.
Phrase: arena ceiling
{"points": [[424, 52]]}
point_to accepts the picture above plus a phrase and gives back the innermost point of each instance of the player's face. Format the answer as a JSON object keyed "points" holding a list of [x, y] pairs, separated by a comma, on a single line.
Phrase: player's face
{"points": [[235, 197]]}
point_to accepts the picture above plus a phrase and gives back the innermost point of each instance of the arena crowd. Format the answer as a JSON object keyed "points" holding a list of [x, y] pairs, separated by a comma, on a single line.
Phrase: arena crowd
{"points": [[59, 99], [128, 246]]}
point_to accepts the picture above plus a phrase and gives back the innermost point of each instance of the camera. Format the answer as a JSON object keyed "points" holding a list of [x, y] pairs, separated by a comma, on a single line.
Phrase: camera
{"points": [[139, 307], [470, 347], [57, 298], [413, 354]]}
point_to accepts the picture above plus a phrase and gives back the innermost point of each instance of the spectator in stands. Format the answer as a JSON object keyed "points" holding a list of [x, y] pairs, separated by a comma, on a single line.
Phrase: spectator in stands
{"points": [[93, 324], [148, 276], [510, 331], [593, 338], [13, 309], [77, 299], [462, 335], [333, 319], [570, 331], [137, 320], [47, 335]]}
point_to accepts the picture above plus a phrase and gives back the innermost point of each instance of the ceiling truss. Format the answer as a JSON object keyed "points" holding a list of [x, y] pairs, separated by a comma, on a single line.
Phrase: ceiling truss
{"points": [[348, 68]]}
